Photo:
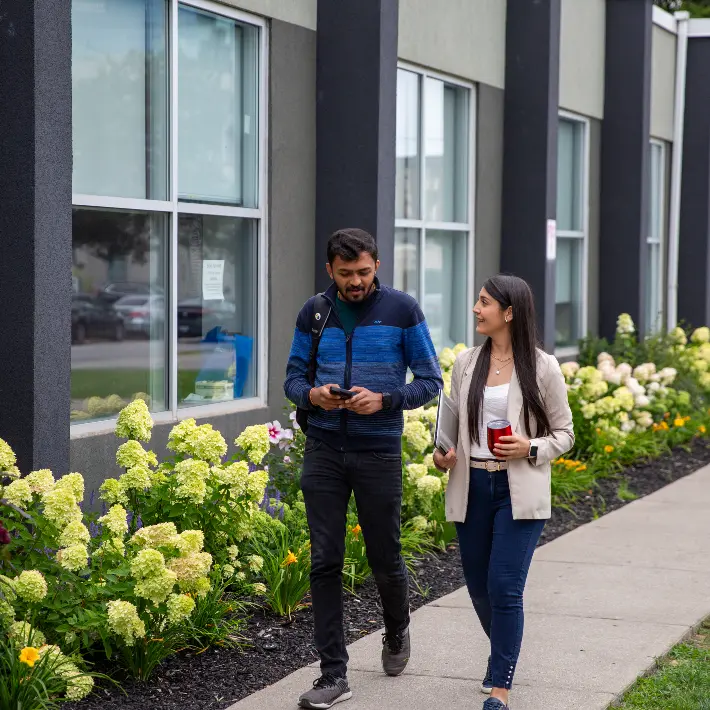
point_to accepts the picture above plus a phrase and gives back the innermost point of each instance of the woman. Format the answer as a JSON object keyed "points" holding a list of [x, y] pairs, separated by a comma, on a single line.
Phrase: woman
{"points": [[500, 503]]}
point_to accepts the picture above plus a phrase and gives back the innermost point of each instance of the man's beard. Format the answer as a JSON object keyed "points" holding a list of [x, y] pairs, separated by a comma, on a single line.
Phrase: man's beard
{"points": [[361, 294]]}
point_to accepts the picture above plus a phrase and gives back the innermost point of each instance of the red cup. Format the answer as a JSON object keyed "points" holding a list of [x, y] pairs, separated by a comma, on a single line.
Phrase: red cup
{"points": [[496, 429]]}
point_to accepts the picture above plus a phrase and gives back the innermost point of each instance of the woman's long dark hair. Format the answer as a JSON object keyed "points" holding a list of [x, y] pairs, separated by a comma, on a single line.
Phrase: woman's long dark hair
{"points": [[511, 291]]}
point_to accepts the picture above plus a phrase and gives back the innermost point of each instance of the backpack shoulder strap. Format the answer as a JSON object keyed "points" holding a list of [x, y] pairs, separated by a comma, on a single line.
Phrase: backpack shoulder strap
{"points": [[321, 313]]}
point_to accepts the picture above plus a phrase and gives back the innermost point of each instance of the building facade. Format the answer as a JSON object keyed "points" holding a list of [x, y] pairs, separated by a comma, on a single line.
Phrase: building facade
{"points": [[172, 170]]}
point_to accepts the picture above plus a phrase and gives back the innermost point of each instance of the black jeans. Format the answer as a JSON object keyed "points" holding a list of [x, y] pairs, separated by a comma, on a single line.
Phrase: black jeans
{"points": [[496, 552], [329, 477]]}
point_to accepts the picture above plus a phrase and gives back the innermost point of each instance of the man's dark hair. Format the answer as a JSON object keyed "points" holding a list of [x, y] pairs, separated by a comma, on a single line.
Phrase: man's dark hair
{"points": [[348, 244]]}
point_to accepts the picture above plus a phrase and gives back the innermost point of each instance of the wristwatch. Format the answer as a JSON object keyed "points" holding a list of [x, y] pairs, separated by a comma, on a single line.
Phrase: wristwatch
{"points": [[386, 401], [533, 451]]}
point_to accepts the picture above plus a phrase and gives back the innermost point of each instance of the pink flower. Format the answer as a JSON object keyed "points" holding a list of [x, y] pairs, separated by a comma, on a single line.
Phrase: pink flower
{"points": [[287, 459], [275, 431], [294, 423], [286, 439]]}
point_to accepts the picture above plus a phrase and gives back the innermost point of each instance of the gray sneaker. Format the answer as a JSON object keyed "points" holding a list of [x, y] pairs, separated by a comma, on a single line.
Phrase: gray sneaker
{"points": [[326, 692], [395, 652]]}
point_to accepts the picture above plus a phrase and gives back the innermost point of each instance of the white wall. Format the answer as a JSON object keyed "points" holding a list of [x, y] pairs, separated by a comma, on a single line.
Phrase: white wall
{"points": [[465, 38], [663, 83], [583, 34], [297, 12]]}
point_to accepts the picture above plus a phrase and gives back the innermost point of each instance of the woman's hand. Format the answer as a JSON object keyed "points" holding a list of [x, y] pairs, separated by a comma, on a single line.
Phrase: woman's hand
{"points": [[512, 447], [446, 461]]}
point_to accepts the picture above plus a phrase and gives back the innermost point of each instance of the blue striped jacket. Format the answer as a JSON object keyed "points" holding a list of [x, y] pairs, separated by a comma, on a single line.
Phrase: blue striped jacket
{"points": [[391, 337]]}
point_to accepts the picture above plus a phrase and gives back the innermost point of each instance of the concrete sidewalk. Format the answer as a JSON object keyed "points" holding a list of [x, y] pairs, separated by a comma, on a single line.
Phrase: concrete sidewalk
{"points": [[601, 603]]}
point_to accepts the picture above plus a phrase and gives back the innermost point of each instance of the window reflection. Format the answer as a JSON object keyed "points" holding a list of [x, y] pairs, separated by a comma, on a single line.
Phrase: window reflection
{"points": [[118, 311]]}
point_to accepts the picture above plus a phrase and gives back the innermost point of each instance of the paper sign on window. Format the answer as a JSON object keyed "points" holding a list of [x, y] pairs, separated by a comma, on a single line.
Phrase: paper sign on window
{"points": [[551, 239], [213, 279]]}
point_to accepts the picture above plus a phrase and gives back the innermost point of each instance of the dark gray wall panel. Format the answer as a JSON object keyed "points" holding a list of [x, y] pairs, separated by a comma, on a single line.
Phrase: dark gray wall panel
{"points": [[694, 257], [530, 152], [35, 231], [356, 123], [489, 183], [625, 161]]}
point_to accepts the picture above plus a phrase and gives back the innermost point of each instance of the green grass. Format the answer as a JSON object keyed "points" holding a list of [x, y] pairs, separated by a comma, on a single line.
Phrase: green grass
{"points": [[681, 681], [124, 383], [625, 493]]}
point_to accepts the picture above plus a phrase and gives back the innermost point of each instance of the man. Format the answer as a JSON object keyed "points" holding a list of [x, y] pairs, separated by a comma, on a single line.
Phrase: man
{"points": [[372, 335]]}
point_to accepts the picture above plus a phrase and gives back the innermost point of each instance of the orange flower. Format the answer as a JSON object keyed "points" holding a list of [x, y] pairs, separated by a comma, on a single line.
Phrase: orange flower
{"points": [[608, 449], [29, 656], [666, 415], [702, 429], [290, 559], [581, 468], [678, 422], [599, 431], [356, 531]]}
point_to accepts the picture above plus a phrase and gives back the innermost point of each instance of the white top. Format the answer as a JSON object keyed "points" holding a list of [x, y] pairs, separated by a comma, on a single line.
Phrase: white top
{"points": [[495, 406]]}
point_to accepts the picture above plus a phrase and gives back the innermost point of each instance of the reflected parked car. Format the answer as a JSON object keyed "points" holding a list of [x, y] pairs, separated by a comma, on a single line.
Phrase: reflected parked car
{"points": [[93, 319], [113, 292], [197, 317], [142, 315]]}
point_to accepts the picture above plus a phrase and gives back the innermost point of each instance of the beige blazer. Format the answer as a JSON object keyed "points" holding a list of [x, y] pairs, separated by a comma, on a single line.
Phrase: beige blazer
{"points": [[529, 480]]}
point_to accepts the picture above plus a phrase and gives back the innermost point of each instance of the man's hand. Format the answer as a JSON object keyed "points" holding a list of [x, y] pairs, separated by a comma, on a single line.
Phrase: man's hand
{"points": [[321, 397], [512, 447], [364, 401]]}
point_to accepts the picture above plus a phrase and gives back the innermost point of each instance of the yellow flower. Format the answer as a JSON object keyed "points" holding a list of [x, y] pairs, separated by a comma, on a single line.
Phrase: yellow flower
{"points": [[599, 431], [290, 559], [686, 418], [678, 422], [702, 429], [608, 449], [356, 531], [581, 468], [29, 656]]}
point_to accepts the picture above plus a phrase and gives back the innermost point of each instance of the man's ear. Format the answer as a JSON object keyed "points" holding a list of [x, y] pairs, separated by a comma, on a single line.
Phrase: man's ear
{"points": [[329, 269]]}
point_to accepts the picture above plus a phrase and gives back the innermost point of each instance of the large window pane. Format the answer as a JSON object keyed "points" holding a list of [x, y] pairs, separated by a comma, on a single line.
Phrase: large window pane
{"points": [[446, 151], [406, 261], [446, 301], [120, 80], [570, 178], [568, 311], [408, 175], [654, 300], [654, 281], [217, 309], [118, 311], [217, 109]]}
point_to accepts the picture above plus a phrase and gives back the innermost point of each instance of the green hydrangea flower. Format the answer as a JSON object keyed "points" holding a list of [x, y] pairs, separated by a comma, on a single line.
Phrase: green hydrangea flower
{"points": [[124, 621], [416, 471], [625, 325], [147, 563], [156, 588], [160, 535], [7, 456], [256, 485], [190, 541], [701, 335], [417, 435], [137, 478], [254, 440], [131, 453], [73, 558], [116, 520], [135, 422], [7, 614], [180, 606], [233, 552], [60, 506], [18, 493], [31, 586], [22, 634], [112, 492], [191, 475], [76, 533], [41, 481], [113, 546], [191, 568], [73, 482], [256, 563]]}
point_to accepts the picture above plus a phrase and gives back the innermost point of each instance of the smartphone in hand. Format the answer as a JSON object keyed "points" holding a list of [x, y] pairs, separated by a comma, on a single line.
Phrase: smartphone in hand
{"points": [[340, 392]]}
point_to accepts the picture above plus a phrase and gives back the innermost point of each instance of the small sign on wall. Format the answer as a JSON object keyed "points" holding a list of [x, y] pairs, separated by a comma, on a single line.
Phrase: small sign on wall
{"points": [[551, 239]]}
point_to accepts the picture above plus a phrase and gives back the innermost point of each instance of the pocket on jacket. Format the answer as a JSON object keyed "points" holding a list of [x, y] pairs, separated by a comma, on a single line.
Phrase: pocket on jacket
{"points": [[312, 445]]}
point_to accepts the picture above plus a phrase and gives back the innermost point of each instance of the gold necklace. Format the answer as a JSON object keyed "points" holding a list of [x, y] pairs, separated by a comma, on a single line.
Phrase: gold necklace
{"points": [[503, 366]]}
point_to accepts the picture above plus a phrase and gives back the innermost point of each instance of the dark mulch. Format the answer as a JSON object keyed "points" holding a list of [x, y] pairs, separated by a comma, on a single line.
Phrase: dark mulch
{"points": [[219, 677]]}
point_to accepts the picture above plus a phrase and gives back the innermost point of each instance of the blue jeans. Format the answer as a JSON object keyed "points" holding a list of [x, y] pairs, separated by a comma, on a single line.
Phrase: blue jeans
{"points": [[496, 552]]}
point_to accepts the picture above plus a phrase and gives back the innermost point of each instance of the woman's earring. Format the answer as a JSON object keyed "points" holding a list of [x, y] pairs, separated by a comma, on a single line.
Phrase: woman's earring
{"points": [[506, 319]]}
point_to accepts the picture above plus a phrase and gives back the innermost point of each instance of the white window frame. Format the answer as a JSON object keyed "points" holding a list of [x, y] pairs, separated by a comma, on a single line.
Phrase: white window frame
{"points": [[663, 227], [573, 350], [422, 224], [175, 207]]}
